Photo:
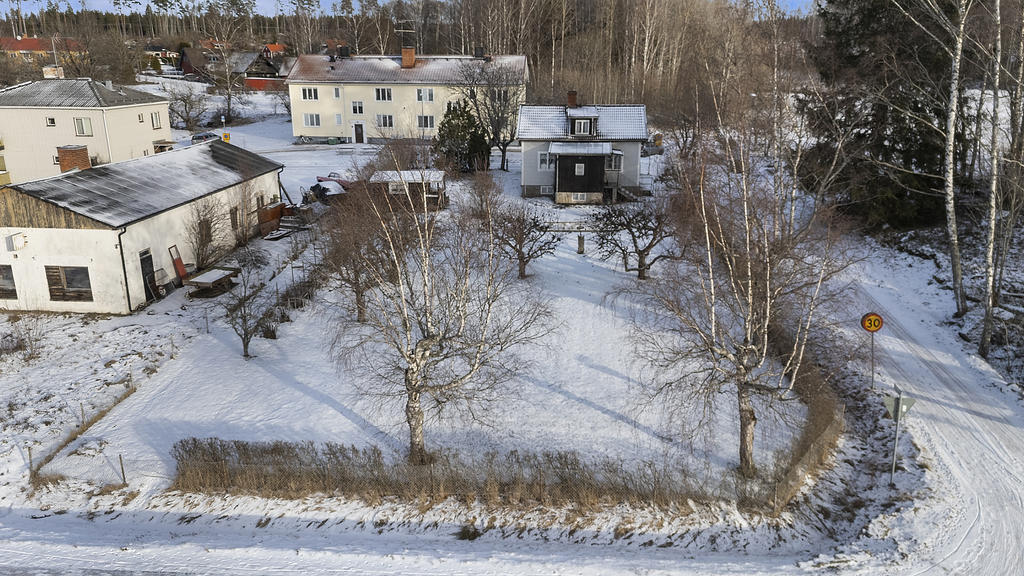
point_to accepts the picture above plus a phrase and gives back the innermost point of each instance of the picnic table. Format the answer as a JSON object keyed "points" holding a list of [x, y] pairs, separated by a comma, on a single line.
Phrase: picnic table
{"points": [[213, 282]]}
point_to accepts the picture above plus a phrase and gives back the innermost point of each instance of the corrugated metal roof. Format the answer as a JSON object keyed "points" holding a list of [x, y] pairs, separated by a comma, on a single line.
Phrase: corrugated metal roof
{"points": [[388, 69], [614, 122], [419, 176], [72, 93], [121, 193], [580, 148]]}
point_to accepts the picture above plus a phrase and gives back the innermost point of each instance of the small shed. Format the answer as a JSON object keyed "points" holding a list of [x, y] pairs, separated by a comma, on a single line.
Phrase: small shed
{"points": [[424, 188]]}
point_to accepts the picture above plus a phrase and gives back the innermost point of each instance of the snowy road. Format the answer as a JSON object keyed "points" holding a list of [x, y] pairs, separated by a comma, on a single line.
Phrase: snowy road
{"points": [[970, 433]]}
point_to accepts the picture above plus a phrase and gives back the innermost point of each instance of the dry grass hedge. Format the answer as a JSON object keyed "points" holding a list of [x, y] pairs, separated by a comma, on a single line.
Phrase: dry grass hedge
{"points": [[297, 469]]}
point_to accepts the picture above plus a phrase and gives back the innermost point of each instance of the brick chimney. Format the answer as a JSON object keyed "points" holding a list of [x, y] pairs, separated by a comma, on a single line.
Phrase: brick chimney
{"points": [[570, 98], [74, 157], [408, 57]]}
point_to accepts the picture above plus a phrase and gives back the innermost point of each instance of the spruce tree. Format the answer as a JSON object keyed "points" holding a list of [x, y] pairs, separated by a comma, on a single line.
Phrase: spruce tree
{"points": [[460, 143]]}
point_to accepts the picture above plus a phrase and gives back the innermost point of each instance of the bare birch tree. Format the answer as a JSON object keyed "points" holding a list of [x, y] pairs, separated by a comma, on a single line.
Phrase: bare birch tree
{"points": [[205, 231], [494, 93], [188, 103]]}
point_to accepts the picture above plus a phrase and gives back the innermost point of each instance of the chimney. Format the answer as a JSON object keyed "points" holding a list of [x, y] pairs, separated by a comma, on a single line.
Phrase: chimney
{"points": [[571, 98], [110, 85], [479, 52], [408, 57], [344, 51], [52, 71], [74, 157]]}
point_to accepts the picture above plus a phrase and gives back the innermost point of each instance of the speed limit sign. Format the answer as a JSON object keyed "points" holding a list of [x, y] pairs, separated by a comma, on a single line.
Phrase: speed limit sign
{"points": [[871, 322]]}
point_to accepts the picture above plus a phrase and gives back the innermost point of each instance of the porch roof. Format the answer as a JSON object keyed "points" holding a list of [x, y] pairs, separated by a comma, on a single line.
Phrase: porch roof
{"points": [[580, 148]]}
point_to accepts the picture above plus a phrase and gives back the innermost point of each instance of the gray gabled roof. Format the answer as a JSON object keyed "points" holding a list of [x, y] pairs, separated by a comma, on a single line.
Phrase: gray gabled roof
{"points": [[439, 70], [614, 122], [72, 93], [122, 193]]}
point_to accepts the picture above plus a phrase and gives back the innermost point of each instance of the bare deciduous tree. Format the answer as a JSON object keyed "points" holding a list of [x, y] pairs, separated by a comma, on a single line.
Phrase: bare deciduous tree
{"points": [[444, 332], [188, 103], [494, 93], [205, 231], [639, 232], [245, 305], [523, 235]]}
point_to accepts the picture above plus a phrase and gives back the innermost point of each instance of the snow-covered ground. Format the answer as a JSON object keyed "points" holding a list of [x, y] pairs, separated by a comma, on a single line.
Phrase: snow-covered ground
{"points": [[953, 509]]}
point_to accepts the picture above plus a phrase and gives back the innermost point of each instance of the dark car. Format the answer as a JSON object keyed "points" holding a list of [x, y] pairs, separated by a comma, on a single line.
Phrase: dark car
{"points": [[203, 137]]}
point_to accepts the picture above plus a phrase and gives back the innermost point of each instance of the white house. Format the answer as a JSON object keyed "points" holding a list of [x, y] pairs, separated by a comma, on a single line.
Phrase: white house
{"points": [[104, 239], [582, 154], [112, 122], [367, 98]]}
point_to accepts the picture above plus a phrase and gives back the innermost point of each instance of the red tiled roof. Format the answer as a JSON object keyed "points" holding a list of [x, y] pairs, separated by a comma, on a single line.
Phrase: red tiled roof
{"points": [[10, 44], [275, 47]]}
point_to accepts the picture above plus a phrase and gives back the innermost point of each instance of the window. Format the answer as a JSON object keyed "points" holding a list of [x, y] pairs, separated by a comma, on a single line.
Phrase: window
{"points": [[582, 127], [396, 188], [154, 119], [51, 121], [311, 120], [337, 93], [83, 127], [357, 106], [383, 94], [425, 121], [56, 160], [613, 162], [205, 232], [234, 218], [579, 169], [337, 119], [69, 283], [309, 94], [547, 190], [424, 95], [385, 121], [579, 196], [142, 118], [499, 95], [7, 289], [545, 162]]}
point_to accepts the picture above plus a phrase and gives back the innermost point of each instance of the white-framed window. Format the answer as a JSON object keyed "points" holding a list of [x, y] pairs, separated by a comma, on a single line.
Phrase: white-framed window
{"points": [[83, 127], [425, 121], [396, 188], [337, 92], [613, 162], [382, 94], [424, 94], [547, 190], [357, 106], [580, 167], [142, 118], [51, 121], [56, 160], [499, 94], [579, 196], [385, 121], [310, 94], [337, 119], [545, 162], [582, 126], [154, 118], [310, 119], [8, 290]]}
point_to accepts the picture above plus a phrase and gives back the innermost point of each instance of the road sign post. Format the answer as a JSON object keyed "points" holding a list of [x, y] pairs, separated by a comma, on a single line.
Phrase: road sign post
{"points": [[872, 322], [896, 407]]}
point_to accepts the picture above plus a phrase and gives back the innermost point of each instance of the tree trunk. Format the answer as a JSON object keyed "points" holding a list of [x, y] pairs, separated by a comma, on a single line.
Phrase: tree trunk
{"points": [[747, 422], [522, 267], [360, 306], [414, 417], [950, 193], [993, 200], [641, 266]]}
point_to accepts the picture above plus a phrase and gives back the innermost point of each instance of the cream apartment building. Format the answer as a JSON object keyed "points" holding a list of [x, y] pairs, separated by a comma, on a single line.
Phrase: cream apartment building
{"points": [[113, 123], [363, 99]]}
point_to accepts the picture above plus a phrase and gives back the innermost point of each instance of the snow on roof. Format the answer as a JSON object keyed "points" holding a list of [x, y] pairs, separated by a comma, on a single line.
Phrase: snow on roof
{"points": [[582, 112], [240, 61], [580, 148], [122, 193], [617, 122], [72, 93], [420, 176], [388, 69]]}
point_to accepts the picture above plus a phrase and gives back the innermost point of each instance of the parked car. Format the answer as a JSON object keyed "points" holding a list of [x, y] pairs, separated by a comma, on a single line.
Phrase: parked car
{"points": [[204, 136], [335, 177]]}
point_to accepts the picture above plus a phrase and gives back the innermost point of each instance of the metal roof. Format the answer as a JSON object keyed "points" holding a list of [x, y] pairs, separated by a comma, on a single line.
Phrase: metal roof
{"points": [[614, 122], [388, 69], [580, 148], [72, 93], [123, 193], [420, 176]]}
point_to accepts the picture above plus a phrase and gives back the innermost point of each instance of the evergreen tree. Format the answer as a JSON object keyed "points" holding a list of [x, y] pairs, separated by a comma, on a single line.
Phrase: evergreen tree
{"points": [[461, 143], [887, 80]]}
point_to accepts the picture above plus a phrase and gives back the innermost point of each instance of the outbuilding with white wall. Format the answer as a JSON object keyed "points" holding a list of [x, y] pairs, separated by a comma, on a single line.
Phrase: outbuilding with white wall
{"points": [[101, 240]]}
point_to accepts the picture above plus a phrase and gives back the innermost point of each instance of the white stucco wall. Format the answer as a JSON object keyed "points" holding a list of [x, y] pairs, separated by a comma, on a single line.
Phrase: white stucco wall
{"points": [[117, 135], [99, 251]]}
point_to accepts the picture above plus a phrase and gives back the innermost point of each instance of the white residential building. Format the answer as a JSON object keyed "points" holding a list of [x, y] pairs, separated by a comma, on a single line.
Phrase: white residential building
{"points": [[366, 98], [114, 123], [105, 239]]}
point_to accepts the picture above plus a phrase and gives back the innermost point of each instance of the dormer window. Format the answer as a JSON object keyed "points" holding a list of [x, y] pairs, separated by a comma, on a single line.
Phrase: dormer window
{"points": [[582, 127]]}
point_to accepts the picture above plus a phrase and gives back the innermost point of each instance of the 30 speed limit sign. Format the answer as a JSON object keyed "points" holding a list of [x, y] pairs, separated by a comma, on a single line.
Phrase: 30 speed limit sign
{"points": [[871, 322]]}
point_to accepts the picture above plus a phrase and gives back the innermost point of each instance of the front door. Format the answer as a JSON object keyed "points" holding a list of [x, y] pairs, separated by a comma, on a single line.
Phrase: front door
{"points": [[359, 133], [146, 261]]}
